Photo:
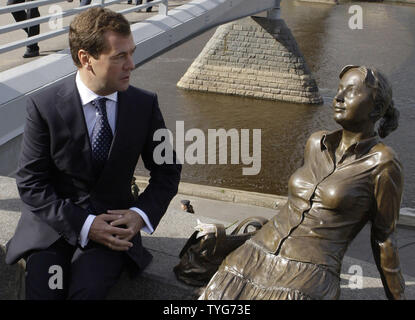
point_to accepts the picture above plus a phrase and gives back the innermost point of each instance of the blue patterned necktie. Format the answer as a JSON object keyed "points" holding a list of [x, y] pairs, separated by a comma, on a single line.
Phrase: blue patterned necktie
{"points": [[101, 135]]}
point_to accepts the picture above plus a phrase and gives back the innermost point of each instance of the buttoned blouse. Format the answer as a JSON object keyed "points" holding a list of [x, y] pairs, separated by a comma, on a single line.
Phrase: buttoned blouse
{"points": [[330, 201]]}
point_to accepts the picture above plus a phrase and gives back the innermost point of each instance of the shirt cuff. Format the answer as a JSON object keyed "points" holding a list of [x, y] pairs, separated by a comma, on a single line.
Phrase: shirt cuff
{"points": [[148, 228], [83, 236]]}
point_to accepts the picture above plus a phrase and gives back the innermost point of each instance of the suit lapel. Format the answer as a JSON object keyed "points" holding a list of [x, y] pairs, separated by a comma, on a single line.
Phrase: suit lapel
{"points": [[70, 109], [120, 125]]}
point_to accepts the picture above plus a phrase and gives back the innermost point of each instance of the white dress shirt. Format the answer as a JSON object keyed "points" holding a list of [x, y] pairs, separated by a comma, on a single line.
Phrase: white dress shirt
{"points": [[87, 96]]}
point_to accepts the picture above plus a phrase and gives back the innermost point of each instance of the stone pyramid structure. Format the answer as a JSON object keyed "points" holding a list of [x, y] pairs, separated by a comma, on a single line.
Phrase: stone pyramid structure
{"points": [[253, 57]]}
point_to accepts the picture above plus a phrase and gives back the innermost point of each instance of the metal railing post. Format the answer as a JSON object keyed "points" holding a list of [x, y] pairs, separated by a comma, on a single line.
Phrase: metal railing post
{"points": [[164, 7], [275, 13]]}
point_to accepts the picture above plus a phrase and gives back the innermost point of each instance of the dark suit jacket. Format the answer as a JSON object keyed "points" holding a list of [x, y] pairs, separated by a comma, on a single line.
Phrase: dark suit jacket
{"points": [[56, 180]]}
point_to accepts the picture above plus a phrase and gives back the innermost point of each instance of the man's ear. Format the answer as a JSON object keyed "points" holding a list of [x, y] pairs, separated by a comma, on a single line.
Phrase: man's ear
{"points": [[85, 59]]}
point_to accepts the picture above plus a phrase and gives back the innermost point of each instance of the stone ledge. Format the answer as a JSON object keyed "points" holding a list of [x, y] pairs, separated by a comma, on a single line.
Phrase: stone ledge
{"points": [[224, 194], [406, 216], [158, 280]]}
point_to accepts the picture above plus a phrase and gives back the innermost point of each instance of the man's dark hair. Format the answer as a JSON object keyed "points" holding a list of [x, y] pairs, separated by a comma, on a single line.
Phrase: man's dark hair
{"points": [[87, 31]]}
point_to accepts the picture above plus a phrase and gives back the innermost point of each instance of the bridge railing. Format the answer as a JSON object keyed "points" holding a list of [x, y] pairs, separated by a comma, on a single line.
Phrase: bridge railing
{"points": [[163, 10]]}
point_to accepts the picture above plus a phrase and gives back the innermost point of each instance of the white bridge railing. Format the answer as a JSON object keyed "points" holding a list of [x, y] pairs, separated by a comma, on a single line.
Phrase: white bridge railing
{"points": [[163, 10]]}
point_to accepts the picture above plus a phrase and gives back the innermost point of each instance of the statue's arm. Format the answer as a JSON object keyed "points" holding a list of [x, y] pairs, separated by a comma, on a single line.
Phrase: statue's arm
{"points": [[388, 193]]}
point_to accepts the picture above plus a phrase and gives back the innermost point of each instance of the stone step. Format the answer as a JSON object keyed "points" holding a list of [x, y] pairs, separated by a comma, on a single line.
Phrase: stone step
{"points": [[158, 281]]}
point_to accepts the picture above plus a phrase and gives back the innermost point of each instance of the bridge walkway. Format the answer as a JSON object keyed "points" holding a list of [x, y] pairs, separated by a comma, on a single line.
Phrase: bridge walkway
{"points": [[14, 58]]}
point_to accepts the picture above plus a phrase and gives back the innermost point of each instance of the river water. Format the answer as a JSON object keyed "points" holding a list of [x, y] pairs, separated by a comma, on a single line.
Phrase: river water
{"points": [[387, 41]]}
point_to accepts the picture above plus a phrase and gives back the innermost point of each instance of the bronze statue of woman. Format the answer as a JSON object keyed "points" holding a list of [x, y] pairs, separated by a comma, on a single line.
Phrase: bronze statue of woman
{"points": [[349, 178]]}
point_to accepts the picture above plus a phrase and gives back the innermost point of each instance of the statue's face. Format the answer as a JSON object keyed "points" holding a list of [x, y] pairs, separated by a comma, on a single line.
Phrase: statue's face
{"points": [[353, 102]]}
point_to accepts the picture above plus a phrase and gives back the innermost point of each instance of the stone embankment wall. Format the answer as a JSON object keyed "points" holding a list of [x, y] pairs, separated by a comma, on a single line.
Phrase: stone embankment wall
{"points": [[253, 57]]}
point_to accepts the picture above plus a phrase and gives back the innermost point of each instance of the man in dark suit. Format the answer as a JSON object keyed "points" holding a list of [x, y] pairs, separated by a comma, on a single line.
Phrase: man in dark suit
{"points": [[80, 225]]}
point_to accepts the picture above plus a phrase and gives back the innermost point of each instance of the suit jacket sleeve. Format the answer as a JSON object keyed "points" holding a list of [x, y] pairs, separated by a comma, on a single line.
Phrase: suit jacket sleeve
{"points": [[164, 178], [34, 180]]}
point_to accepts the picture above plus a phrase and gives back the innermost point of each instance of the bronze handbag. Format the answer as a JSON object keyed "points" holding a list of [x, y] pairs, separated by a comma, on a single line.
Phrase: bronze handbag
{"points": [[201, 257]]}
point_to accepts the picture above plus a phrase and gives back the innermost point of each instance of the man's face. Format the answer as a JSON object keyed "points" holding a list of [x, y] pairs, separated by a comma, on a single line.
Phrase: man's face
{"points": [[111, 71]]}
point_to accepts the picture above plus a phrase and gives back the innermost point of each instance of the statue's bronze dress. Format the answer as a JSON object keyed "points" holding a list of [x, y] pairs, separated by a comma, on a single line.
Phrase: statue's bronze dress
{"points": [[298, 253]]}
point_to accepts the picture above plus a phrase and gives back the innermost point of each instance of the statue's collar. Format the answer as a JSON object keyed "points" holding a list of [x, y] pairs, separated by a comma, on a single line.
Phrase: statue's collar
{"points": [[330, 142]]}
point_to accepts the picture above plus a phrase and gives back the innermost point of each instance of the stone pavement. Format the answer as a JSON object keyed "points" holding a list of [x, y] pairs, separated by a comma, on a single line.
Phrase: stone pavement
{"points": [[158, 280]]}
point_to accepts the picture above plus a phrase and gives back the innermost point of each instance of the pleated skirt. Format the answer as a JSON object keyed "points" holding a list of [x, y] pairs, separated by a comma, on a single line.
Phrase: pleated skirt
{"points": [[251, 273]]}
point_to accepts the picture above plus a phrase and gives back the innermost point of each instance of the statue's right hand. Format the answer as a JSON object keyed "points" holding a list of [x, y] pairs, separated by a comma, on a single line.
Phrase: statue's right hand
{"points": [[102, 232]]}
